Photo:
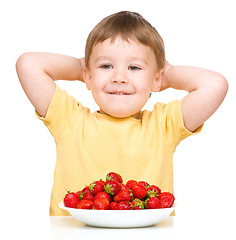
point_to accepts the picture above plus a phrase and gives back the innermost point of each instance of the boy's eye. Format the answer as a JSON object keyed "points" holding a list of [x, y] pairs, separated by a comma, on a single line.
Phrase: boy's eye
{"points": [[134, 68], [106, 66]]}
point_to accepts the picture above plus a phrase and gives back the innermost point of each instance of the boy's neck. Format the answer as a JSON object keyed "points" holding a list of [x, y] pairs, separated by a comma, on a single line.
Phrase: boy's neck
{"points": [[137, 115]]}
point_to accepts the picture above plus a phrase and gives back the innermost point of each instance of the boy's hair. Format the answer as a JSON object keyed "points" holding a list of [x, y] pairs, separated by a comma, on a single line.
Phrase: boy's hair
{"points": [[127, 25]]}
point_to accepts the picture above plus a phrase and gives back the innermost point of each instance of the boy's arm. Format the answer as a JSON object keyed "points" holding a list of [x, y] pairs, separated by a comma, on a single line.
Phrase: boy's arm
{"points": [[38, 71], [206, 88]]}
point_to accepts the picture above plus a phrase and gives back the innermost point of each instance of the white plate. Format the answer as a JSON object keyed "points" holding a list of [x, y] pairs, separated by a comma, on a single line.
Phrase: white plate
{"points": [[119, 218]]}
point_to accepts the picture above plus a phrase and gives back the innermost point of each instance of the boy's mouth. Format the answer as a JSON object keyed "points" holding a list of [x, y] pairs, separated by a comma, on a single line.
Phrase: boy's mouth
{"points": [[119, 90], [119, 93]]}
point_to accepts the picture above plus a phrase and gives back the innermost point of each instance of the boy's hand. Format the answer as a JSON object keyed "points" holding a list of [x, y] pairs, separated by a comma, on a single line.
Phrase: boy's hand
{"points": [[206, 88]]}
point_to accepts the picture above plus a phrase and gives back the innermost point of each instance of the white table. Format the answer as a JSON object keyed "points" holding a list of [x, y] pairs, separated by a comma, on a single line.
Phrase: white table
{"points": [[69, 228], [182, 226], [177, 227]]}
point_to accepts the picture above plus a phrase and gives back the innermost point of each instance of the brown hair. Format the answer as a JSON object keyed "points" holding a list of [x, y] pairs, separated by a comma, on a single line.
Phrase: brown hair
{"points": [[127, 25]]}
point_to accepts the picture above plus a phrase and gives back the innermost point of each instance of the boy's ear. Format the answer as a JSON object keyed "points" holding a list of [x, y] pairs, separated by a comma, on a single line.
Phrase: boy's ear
{"points": [[158, 81], [87, 78]]}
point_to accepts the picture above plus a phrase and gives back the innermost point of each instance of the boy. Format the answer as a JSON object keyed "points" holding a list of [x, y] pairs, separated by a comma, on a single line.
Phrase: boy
{"points": [[124, 62]]}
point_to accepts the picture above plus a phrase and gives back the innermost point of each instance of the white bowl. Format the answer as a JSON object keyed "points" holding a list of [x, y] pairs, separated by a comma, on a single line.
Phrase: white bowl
{"points": [[119, 218]]}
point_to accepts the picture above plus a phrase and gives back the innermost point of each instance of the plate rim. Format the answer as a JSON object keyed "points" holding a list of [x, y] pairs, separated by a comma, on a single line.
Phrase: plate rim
{"points": [[62, 206], [87, 216]]}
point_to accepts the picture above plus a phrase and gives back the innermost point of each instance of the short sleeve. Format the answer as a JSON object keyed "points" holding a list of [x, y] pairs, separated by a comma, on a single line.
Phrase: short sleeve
{"points": [[61, 114], [176, 118], [169, 117]]}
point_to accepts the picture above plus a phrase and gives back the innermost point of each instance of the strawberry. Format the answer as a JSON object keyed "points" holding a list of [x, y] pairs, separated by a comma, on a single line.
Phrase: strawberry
{"points": [[123, 187], [96, 186], [153, 203], [102, 195], [153, 191], [114, 176], [145, 184], [71, 200], [167, 199], [113, 206], [86, 196], [78, 192], [123, 195], [85, 204], [138, 190], [124, 205], [156, 188], [130, 183], [112, 187], [101, 204], [137, 204], [86, 189]]}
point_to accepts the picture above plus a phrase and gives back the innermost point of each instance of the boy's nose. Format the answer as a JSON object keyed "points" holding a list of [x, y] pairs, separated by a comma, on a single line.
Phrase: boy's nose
{"points": [[119, 77]]}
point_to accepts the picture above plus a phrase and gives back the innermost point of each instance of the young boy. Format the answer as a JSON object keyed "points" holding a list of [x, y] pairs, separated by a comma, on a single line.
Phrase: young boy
{"points": [[124, 63]]}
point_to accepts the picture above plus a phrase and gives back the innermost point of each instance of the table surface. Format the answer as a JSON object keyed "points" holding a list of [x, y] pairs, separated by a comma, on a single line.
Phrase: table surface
{"points": [[181, 226], [171, 228]]}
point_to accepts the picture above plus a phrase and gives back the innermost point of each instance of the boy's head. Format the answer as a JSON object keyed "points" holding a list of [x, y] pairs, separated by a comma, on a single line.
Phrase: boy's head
{"points": [[127, 25], [124, 58]]}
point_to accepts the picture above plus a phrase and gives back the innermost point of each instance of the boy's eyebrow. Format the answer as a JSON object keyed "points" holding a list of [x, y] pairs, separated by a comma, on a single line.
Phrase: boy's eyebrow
{"points": [[131, 59], [102, 58], [139, 59]]}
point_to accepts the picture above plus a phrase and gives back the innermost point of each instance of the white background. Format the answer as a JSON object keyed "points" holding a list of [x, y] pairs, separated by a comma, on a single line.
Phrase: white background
{"points": [[199, 33]]}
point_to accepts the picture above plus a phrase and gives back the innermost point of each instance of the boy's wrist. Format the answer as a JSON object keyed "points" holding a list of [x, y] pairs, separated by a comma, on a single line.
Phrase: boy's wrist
{"points": [[82, 65]]}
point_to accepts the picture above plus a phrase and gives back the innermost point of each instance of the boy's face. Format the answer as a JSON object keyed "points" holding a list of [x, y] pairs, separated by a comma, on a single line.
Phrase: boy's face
{"points": [[121, 76]]}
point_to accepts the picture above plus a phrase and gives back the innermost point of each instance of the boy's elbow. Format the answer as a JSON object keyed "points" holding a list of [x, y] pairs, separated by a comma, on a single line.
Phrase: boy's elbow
{"points": [[22, 59], [221, 86], [24, 62]]}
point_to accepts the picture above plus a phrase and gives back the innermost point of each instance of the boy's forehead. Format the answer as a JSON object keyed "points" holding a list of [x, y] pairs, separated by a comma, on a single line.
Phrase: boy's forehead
{"points": [[134, 48], [120, 41]]}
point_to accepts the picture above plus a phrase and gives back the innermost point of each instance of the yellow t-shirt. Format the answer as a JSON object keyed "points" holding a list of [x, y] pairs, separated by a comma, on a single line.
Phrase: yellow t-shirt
{"points": [[89, 145]]}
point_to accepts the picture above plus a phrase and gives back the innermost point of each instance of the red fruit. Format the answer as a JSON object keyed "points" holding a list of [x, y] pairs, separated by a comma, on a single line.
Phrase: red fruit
{"points": [[153, 191], [156, 188], [113, 206], [78, 192], [112, 187], [101, 204], [114, 176], [123, 187], [102, 195], [124, 205], [138, 190], [86, 196], [96, 186], [123, 195], [145, 184], [153, 203], [167, 199], [130, 183], [71, 200], [137, 204], [86, 189], [85, 204]]}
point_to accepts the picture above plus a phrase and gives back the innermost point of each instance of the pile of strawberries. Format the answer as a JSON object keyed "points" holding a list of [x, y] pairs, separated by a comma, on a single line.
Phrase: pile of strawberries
{"points": [[113, 194]]}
